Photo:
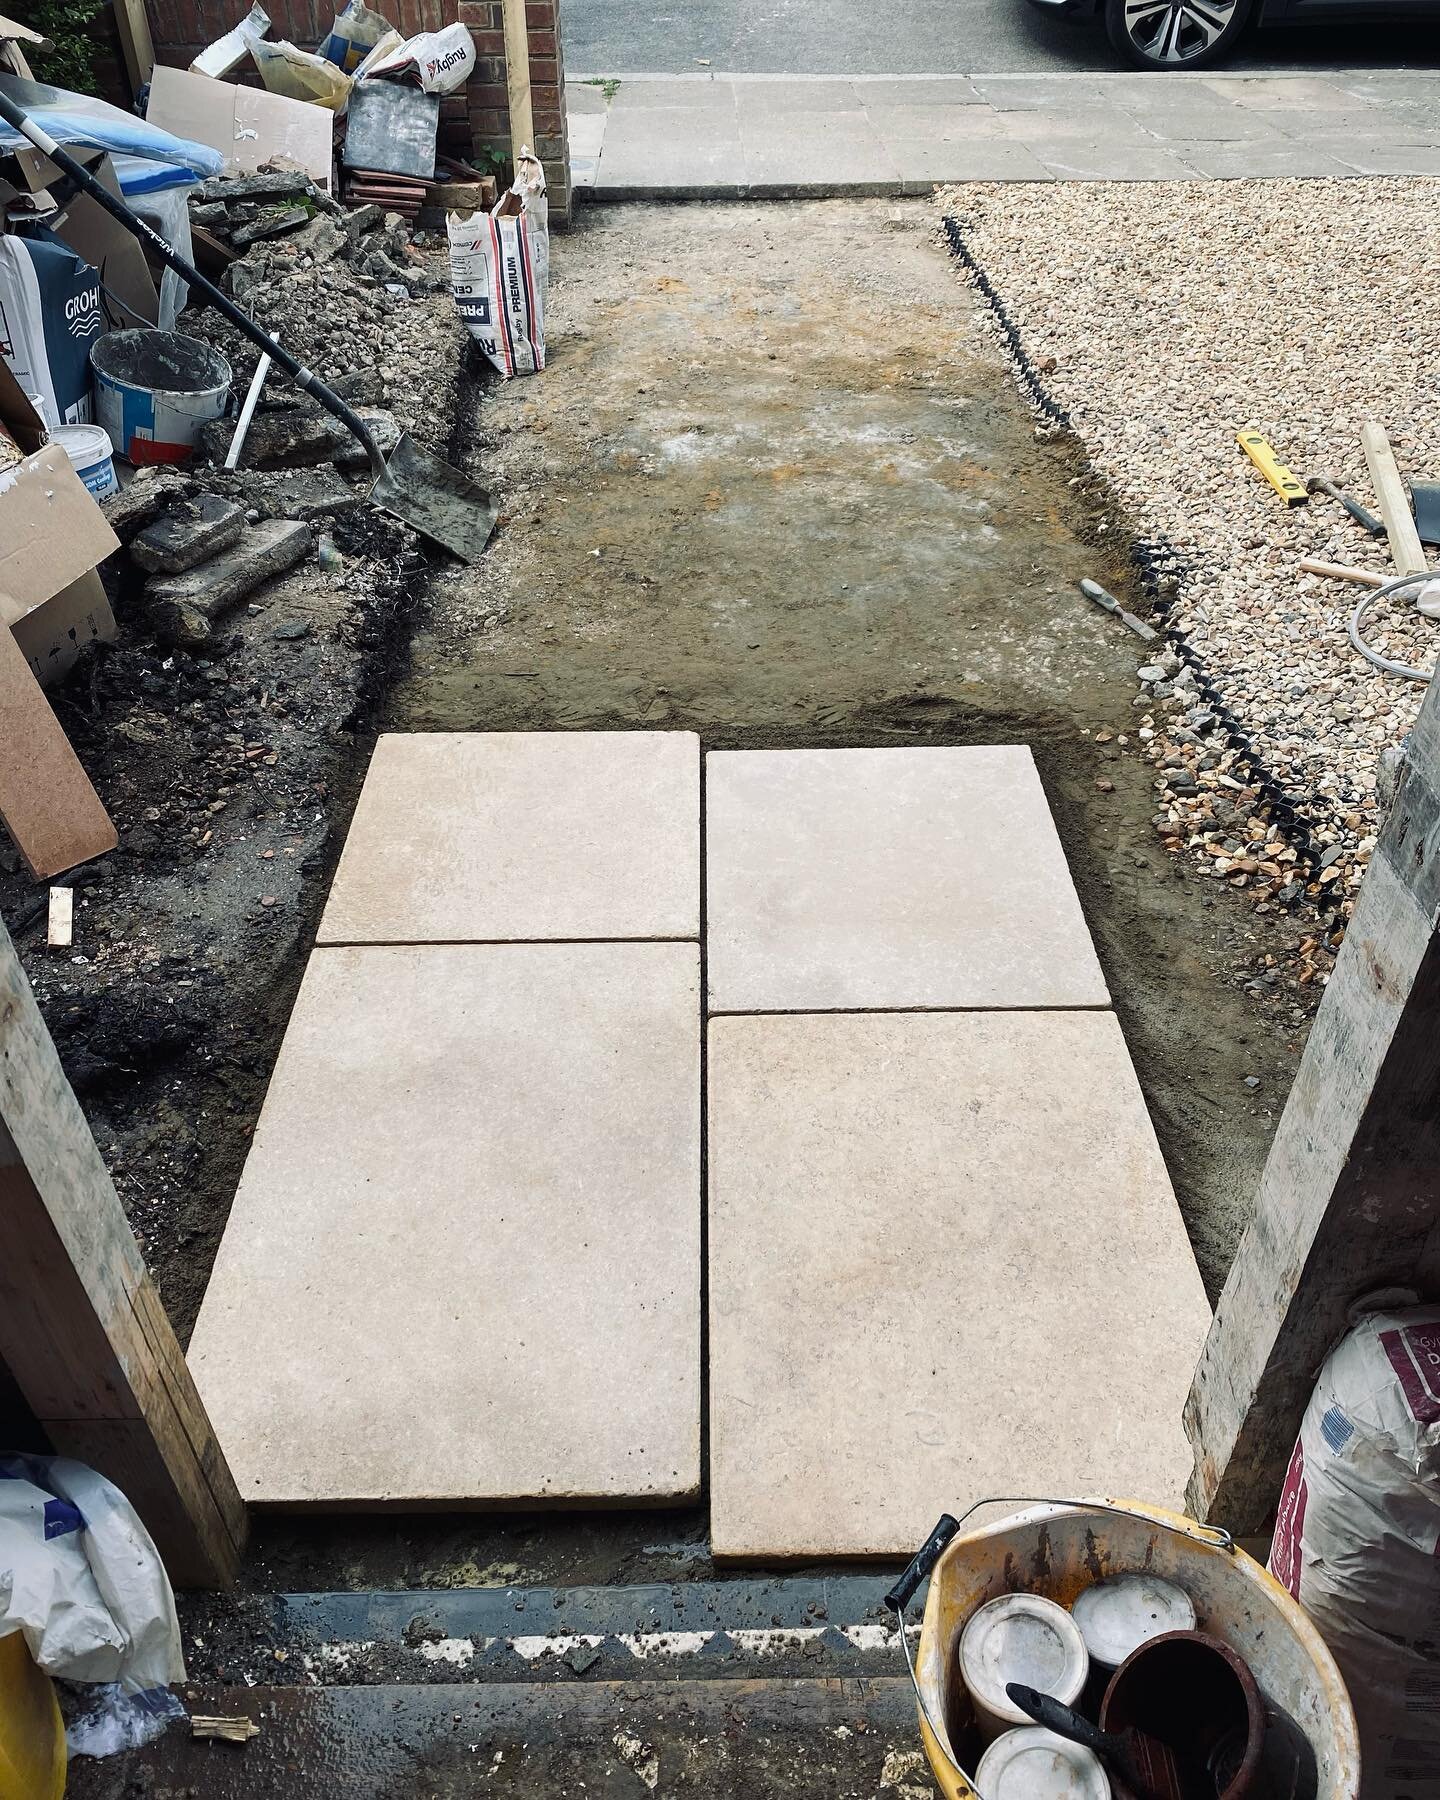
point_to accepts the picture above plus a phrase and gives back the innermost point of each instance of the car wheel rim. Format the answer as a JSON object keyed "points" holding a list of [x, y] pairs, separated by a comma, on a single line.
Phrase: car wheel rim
{"points": [[1174, 31]]}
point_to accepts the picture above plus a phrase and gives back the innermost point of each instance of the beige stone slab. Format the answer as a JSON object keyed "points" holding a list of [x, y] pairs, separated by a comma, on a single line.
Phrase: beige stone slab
{"points": [[463, 1264], [498, 836], [905, 879], [945, 1263]]}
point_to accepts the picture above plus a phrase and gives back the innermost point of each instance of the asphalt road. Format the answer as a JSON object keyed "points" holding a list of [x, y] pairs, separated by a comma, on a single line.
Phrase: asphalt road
{"points": [[915, 37]]}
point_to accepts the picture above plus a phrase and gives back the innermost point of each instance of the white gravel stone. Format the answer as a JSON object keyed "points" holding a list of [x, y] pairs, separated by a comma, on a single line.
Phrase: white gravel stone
{"points": [[1169, 316]]}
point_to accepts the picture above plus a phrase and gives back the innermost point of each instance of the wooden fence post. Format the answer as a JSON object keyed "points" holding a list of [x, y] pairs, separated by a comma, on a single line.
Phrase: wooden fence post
{"points": [[1350, 1197], [82, 1330]]}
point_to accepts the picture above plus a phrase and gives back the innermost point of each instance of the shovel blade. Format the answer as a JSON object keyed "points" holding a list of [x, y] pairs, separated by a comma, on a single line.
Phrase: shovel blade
{"points": [[434, 499]]}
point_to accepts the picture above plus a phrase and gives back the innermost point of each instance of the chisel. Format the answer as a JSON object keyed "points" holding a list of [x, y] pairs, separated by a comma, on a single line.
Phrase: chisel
{"points": [[1093, 591]]}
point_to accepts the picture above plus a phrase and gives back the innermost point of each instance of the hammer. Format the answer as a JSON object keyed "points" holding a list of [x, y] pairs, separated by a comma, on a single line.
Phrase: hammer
{"points": [[1367, 520]]}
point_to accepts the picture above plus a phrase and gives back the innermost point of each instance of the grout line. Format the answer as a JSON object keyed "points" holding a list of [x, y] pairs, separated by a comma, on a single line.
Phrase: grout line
{"points": [[483, 943], [847, 1012]]}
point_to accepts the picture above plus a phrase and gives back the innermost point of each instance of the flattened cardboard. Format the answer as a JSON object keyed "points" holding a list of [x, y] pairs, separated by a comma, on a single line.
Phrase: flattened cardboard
{"points": [[17, 414], [110, 250], [47, 803], [249, 127], [53, 633], [51, 530]]}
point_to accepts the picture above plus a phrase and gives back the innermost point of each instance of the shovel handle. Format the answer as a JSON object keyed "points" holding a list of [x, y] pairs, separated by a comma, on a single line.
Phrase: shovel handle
{"points": [[303, 378]]}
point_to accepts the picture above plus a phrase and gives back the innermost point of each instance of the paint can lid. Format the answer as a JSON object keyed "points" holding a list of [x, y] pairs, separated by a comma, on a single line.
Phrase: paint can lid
{"points": [[1025, 1638], [1035, 1764], [1123, 1612]]}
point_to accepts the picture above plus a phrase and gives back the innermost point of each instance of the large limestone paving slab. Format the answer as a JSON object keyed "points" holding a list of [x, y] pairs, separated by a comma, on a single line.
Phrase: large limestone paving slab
{"points": [[889, 879], [945, 1263], [497, 836], [463, 1265]]}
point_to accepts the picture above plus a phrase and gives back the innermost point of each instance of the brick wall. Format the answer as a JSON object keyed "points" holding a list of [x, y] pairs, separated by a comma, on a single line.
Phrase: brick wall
{"points": [[475, 119]]}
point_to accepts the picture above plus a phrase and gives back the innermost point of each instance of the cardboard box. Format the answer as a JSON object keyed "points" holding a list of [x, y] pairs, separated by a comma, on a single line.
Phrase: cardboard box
{"points": [[250, 128], [53, 633], [87, 229], [51, 530]]}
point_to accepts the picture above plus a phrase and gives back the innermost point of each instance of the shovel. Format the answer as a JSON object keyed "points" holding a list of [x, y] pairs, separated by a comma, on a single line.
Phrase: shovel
{"points": [[415, 486]]}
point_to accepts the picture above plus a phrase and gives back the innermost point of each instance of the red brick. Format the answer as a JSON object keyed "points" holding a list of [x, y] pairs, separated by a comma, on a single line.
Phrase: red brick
{"points": [[489, 43], [483, 94], [543, 70], [490, 124], [549, 123], [542, 43], [480, 15]]}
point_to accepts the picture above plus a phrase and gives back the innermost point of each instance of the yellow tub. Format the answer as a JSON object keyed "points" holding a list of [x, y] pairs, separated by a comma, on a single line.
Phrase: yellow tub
{"points": [[1060, 1549], [32, 1737]]}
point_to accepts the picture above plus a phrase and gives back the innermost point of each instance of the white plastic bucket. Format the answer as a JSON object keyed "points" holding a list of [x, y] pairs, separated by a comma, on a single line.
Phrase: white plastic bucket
{"points": [[155, 390], [91, 454]]}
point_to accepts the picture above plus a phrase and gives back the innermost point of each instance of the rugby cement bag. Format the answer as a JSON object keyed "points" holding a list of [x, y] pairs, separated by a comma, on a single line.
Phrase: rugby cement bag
{"points": [[1357, 1537], [499, 270]]}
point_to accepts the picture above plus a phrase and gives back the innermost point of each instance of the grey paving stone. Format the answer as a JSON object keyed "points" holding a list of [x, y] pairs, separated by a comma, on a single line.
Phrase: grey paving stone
{"points": [[841, 879], [668, 149], [463, 1264], [945, 1263], [1071, 159], [1399, 122], [1382, 85], [1100, 124], [757, 98], [921, 90], [1204, 118], [821, 152], [1026, 93], [583, 97], [901, 126], [923, 165], [1371, 158], [1281, 93], [468, 837], [1280, 158], [693, 95]]}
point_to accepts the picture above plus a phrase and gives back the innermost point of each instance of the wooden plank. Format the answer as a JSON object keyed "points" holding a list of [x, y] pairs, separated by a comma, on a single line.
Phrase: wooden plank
{"points": [[46, 801], [517, 78], [1350, 1197], [60, 934], [135, 44], [1405, 546], [82, 1329]]}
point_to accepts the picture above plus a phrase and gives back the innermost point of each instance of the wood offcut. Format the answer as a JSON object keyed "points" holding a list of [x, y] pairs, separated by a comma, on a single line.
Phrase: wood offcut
{"points": [[47, 803]]}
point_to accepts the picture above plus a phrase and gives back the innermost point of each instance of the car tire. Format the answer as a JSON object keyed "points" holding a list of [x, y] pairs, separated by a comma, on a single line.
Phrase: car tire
{"points": [[1174, 34]]}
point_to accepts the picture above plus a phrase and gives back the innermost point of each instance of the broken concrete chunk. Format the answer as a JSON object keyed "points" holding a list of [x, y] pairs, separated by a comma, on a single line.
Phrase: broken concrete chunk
{"points": [[141, 499], [184, 608], [283, 184], [322, 238], [274, 222], [361, 219], [311, 494], [215, 217], [187, 534], [291, 438], [383, 428]]}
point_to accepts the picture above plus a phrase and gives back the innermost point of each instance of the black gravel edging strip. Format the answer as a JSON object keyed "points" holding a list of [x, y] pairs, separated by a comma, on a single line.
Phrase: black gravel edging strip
{"points": [[1158, 566]]}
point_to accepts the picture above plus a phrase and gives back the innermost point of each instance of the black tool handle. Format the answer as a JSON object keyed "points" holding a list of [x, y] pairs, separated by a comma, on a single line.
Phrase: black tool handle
{"points": [[238, 317], [1362, 516], [1055, 1716], [921, 1563]]}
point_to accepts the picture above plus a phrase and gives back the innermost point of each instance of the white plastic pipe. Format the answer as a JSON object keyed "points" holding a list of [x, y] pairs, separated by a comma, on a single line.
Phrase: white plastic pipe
{"points": [[247, 411]]}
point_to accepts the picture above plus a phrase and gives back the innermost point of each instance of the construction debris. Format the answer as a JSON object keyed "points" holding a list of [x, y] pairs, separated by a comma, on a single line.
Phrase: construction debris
{"points": [[224, 1730]]}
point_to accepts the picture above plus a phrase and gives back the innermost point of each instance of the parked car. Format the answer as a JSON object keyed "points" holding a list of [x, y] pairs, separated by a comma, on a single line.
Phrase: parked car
{"points": [[1189, 34]]}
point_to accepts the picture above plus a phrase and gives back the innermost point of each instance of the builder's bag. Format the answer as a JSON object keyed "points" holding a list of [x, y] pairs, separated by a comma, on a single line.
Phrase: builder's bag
{"points": [[1358, 1533], [499, 270]]}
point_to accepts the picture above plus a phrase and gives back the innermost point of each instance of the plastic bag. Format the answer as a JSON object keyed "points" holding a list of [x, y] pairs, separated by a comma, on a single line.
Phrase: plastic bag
{"points": [[500, 269], [1357, 1536], [440, 61], [300, 74], [358, 28], [81, 1579]]}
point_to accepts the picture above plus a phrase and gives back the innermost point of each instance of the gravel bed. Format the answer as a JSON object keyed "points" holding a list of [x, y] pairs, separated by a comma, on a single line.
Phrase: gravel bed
{"points": [[1166, 317]]}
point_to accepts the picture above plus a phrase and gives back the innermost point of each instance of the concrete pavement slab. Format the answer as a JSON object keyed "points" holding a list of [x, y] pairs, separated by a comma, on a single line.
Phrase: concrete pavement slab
{"points": [[830, 153], [922, 165], [469, 837], [760, 99], [904, 126], [645, 93], [945, 1263], [463, 1264], [1074, 159], [839, 879], [918, 90], [1026, 93], [583, 97], [1375, 158], [1281, 93], [1282, 158], [1085, 123]]}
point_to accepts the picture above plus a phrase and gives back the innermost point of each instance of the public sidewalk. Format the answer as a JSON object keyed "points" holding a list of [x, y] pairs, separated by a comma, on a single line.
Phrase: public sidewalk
{"points": [[715, 136]]}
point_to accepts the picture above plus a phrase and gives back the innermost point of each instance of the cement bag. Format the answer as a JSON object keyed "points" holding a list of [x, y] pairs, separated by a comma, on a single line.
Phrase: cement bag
{"points": [[50, 314], [441, 61], [1358, 1534], [81, 1579], [499, 271], [358, 28]]}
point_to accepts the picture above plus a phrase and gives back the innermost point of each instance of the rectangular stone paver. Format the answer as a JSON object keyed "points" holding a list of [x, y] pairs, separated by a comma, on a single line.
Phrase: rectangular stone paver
{"points": [[896, 879], [464, 1261], [475, 837], [945, 1263]]}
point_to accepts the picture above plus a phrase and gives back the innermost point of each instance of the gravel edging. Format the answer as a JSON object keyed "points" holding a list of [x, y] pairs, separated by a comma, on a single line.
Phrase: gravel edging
{"points": [[1164, 318]]}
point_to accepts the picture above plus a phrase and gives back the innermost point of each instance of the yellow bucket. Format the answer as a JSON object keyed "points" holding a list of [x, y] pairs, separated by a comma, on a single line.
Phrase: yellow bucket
{"points": [[32, 1736], [1058, 1549]]}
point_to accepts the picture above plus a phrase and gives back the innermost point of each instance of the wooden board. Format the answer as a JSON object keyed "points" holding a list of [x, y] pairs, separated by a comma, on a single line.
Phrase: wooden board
{"points": [[135, 44], [1405, 546], [46, 801]]}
